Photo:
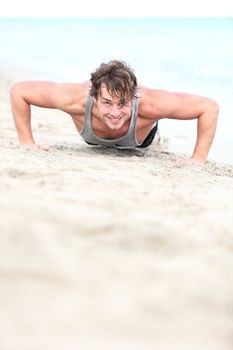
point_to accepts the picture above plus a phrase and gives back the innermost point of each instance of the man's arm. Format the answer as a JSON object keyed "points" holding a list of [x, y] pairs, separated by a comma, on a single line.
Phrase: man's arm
{"points": [[175, 105], [37, 93]]}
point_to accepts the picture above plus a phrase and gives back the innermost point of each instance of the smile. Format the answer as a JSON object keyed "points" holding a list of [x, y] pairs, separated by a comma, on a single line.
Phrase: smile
{"points": [[114, 120]]}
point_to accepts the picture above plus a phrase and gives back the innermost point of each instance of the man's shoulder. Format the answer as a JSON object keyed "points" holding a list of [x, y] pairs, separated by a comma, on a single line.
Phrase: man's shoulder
{"points": [[147, 92], [153, 102]]}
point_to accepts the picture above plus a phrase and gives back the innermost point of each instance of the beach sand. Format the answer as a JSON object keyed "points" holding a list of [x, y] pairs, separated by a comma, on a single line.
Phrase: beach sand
{"points": [[108, 249]]}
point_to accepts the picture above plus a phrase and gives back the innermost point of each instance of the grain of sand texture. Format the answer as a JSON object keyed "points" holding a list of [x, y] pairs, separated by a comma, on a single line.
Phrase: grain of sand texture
{"points": [[108, 249]]}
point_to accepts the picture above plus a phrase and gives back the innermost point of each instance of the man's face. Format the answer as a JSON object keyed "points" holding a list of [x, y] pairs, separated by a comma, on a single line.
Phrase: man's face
{"points": [[112, 111]]}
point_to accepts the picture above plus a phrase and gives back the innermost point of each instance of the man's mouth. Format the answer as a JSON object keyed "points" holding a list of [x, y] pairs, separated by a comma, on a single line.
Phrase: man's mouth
{"points": [[114, 120]]}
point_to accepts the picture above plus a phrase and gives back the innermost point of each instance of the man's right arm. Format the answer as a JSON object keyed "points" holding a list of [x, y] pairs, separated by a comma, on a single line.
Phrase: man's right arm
{"points": [[37, 93]]}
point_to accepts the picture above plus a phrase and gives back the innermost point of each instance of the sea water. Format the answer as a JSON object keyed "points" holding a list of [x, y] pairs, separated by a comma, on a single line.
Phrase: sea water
{"points": [[193, 55]]}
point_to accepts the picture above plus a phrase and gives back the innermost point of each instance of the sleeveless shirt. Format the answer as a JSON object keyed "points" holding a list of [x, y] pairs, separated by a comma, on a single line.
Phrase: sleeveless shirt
{"points": [[127, 141]]}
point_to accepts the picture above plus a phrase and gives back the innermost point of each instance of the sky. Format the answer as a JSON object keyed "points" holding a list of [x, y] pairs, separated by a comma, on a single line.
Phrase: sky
{"points": [[115, 8]]}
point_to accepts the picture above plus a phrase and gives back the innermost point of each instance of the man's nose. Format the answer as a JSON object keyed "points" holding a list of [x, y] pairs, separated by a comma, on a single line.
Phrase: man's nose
{"points": [[115, 110]]}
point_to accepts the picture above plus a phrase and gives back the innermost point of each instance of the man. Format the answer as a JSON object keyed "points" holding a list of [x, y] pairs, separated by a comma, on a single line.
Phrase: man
{"points": [[113, 110]]}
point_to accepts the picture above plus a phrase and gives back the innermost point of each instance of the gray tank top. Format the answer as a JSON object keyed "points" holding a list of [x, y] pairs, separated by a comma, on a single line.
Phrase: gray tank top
{"points": [[124, 142]]}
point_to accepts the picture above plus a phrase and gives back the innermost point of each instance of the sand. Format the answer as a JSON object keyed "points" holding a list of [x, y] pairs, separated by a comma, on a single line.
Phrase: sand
{"points": [[108, 249]]}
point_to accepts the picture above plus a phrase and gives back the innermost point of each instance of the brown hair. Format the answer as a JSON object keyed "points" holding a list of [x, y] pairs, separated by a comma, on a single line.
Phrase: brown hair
{"points": [[118, 78]]}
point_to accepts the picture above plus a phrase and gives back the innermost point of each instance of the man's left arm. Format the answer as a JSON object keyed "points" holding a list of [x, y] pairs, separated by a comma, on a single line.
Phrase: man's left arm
{"points": [[206, 128], [177, 105]]}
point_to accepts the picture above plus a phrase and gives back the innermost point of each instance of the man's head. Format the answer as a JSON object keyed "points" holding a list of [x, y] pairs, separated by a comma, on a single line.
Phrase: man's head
{"points": [[114, 86], [117, 77]]}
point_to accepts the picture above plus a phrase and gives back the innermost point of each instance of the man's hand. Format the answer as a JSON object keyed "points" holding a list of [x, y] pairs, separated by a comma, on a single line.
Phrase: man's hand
{"points": [[189, 161], [34, 146]]}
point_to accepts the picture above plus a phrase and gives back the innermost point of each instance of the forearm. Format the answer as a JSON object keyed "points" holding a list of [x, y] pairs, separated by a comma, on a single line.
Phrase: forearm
{"points": [[22, 117], [206, 128]]}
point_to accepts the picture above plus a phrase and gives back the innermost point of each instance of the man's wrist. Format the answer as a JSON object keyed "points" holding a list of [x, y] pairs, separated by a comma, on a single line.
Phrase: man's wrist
{"points": [[198, 159]]}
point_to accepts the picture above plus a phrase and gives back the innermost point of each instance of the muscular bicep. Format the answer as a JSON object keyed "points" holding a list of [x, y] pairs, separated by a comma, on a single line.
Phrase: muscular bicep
{"points": [[43, 93], [187, 106], [174, 105]]}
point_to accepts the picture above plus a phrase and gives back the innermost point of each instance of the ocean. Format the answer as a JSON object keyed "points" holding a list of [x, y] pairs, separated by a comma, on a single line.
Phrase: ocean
{"points": [[192, 55]]}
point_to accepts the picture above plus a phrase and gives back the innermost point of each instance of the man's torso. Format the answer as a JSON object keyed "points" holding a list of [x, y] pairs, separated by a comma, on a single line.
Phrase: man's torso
{"points": [[77, 112]]}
